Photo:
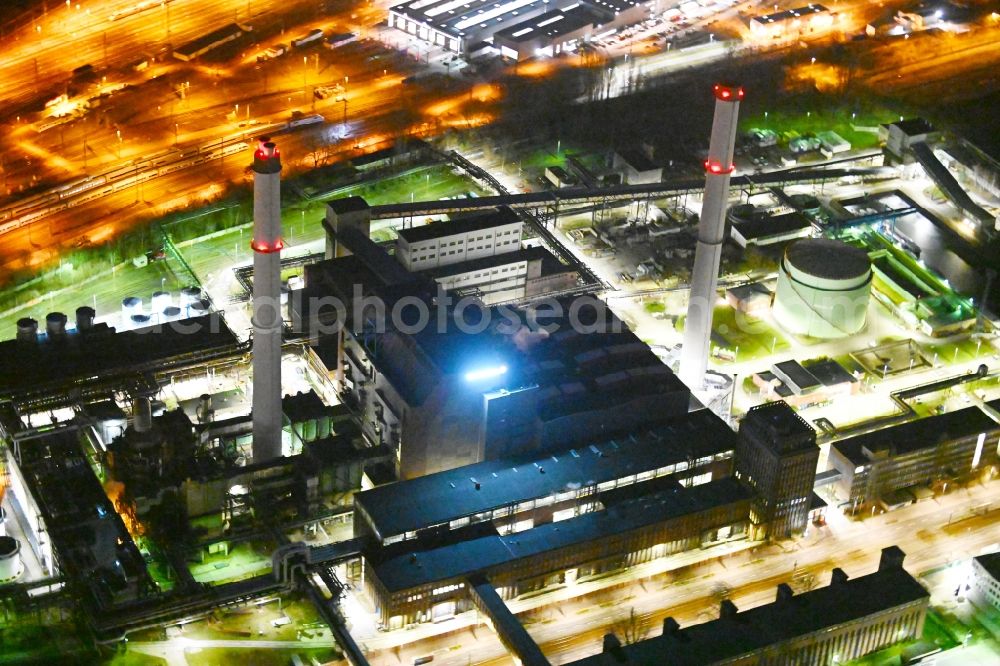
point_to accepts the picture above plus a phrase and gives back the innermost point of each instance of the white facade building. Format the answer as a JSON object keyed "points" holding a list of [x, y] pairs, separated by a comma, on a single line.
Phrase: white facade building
{"points": [[440, 244]]}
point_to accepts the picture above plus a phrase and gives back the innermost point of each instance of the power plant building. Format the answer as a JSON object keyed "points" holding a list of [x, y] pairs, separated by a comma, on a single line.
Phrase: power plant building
{"points": [[432, 584], [777, 457], [823, 290], [839, 623], [891, 465]]}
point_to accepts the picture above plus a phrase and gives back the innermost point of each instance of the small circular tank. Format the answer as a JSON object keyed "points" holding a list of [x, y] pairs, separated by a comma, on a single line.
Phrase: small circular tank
{"points": [[189, 295], [161, 300], [85, 316], [55, 324], [139, 320], [10, 558], [131, 305], [27, 330]]}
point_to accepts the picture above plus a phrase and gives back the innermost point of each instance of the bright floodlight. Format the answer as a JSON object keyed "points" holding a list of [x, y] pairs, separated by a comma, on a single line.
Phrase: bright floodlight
{"points": [[485, 373]]}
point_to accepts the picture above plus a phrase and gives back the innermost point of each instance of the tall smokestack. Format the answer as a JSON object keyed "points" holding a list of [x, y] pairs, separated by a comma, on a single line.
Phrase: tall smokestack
{"points": [[267, 246], [711, 234]]}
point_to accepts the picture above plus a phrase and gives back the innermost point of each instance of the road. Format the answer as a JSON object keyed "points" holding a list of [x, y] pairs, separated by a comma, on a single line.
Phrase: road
{"points": [[575, 628]]}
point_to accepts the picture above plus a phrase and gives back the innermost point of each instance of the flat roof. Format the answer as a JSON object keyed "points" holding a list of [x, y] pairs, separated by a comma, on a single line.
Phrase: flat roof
{"points": [[991, 563], [348, 204], [828, 258], [920, 434], [550, 24], [460, 18], [756, 629], [550, 264], [779, 427], [829, 372], [439, 498], [638, 160], [500, 217], [774, 225], [913, 126], [207, 40], [795, 374], [789, 14], [476, 555], [753, 289]]}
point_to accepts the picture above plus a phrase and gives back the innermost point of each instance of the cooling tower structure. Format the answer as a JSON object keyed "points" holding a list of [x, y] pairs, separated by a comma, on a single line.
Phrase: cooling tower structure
{"points": [[266, 245], [711, 235], [823, 289]]}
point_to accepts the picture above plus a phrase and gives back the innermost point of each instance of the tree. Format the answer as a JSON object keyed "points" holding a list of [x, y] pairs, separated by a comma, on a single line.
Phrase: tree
{"points": [[631, 628]]}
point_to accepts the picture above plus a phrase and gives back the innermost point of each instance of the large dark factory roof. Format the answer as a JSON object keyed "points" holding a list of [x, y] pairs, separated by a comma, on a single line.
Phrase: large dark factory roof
{"points": [[439, 498], [29, 365]]}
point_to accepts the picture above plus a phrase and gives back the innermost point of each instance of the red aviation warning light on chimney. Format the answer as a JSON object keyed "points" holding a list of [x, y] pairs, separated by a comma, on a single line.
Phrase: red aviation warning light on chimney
{"points": [[267, 321], [728, 93]]}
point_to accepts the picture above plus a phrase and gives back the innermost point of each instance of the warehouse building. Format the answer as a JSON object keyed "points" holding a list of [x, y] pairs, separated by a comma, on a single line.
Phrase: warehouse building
{"points": [[477, 255], [464, 239], [831, 625], [519, 28], [892, 465], [409, 585], [807, 22], [562, 30], [520, 493]]}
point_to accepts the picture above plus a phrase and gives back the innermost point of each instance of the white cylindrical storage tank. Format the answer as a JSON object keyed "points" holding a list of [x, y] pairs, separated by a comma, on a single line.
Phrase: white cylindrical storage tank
{"points": [[139, 320], [27, 330], [10, 558], [198, 308], [161, 300], [131, 305], [823, 289], [171, 312], [189, 295]]}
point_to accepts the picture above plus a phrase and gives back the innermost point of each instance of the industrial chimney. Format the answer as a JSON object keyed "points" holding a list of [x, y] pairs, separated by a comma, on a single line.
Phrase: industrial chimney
{"points": [[711, 234], [267, 246]]}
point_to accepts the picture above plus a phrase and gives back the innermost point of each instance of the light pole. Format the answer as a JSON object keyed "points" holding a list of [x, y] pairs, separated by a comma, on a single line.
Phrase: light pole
{"points": [[343, 126]]}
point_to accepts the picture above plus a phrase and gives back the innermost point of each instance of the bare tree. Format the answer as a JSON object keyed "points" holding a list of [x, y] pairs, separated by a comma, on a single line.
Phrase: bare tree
{"points": [[631, 628]]}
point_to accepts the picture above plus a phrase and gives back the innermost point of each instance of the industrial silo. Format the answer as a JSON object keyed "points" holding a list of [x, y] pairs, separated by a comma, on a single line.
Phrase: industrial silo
{"points": [[131, 305], [161, 300], [823, 288], [10, 559]]}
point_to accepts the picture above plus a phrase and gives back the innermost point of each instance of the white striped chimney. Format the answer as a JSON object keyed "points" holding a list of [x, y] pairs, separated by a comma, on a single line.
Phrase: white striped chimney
{"points": [[711, 235], [267, 323]]}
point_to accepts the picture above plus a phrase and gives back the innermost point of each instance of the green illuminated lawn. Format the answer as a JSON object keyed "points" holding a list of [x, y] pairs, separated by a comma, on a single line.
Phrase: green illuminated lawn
{"points": [[746, 337], [792, 124], [242, 562], [218, 234]]}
